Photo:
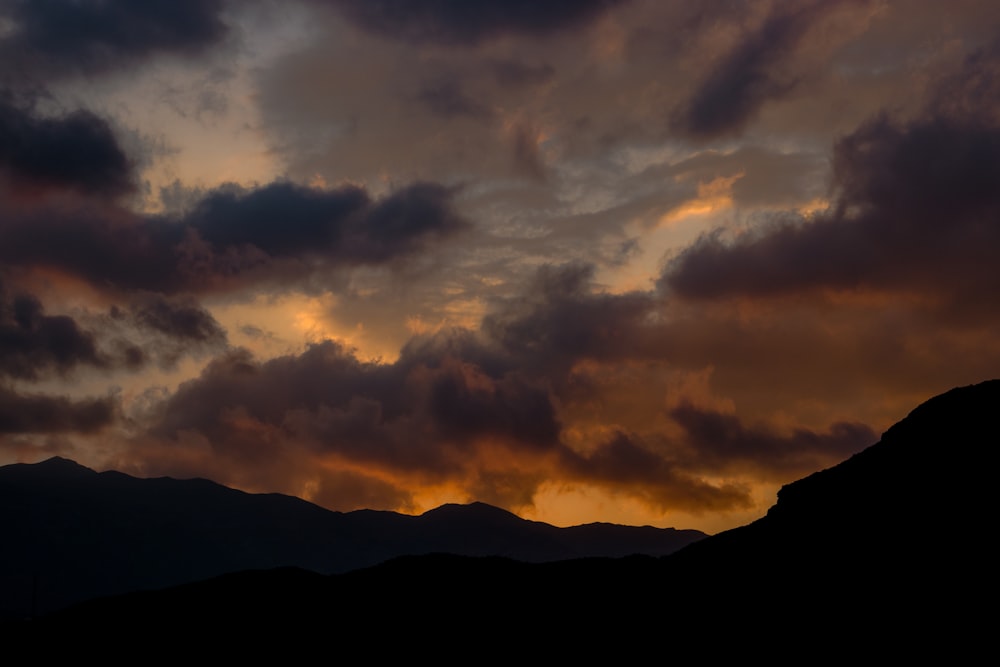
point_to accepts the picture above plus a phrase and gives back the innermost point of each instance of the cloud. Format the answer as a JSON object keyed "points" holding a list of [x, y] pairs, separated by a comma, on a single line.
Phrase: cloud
{"points": [[281, 219], [232, 238], [559, 319], [33, 413], [405, 415], [496, 413], [722, 443], [915, 210], [33, 343], [159, 329], [431, 418], [490, 110], [465, 403], [78, 151], [456, 22], [625, 462], [181, 318], [105, 245], [401, 223], [50, 39], [759, 69]]}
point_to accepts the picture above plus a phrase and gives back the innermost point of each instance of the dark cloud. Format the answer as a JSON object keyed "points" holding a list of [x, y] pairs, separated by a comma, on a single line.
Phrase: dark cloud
{"points": [[752, 73], [401, 415], [465, 403], [278, 220], [56, 38], [151, 328], [77, 151], [433, 414], [400, 224], [916, 209], [625, 462], [33, 343], [466, 23], [109, 247], [325, 374], [53, 414], [527, 400], [155, 328], [722, 443], [560, 319], [181, 318], [233, 237]]}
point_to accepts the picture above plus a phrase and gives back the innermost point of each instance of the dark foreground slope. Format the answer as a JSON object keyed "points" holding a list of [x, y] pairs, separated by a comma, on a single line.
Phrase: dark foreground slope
{"points": [[925, 491], [894, 547], [887, 556], [69, 534]]}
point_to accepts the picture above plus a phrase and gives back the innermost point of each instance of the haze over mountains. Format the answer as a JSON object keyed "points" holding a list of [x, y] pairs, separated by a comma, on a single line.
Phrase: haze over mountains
{"points": [[888, 555]]}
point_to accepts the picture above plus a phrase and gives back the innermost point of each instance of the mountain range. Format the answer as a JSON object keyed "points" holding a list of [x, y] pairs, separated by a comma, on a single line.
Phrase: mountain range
{"points": [[71, 533], [888, 556]]}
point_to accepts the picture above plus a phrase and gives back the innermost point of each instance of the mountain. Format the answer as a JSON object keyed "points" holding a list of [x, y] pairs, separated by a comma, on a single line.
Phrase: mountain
{"points": [[70, 533], [923, 492], [888, 556], [892, 548]]}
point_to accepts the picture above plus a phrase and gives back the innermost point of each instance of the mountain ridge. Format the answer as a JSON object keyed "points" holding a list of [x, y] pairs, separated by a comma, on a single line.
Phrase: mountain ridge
{"points": [[833, 571], [85, 534]]}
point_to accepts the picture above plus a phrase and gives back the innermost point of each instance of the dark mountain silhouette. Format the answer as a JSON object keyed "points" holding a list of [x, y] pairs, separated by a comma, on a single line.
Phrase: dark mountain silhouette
{"points": [[924, 491], [887, 556], [70, 533]]}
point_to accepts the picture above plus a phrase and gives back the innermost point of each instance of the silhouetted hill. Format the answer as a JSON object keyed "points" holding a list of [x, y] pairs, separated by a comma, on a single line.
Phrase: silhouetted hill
{"points": [[924, 488], [888, 556], [70, 533], [893, 546]]}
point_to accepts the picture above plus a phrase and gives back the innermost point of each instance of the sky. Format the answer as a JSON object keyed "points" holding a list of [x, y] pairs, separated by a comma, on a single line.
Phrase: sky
{"points": [[587, 260]]}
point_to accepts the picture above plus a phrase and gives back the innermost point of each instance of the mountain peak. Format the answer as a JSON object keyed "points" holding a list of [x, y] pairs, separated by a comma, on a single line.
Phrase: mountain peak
{"points": [[59, 462], [54, 467], [473, 510]]}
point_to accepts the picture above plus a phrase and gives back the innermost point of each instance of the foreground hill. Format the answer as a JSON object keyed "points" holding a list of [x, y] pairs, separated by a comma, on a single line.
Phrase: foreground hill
{"points": [[70, 534], [887, 556]]}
